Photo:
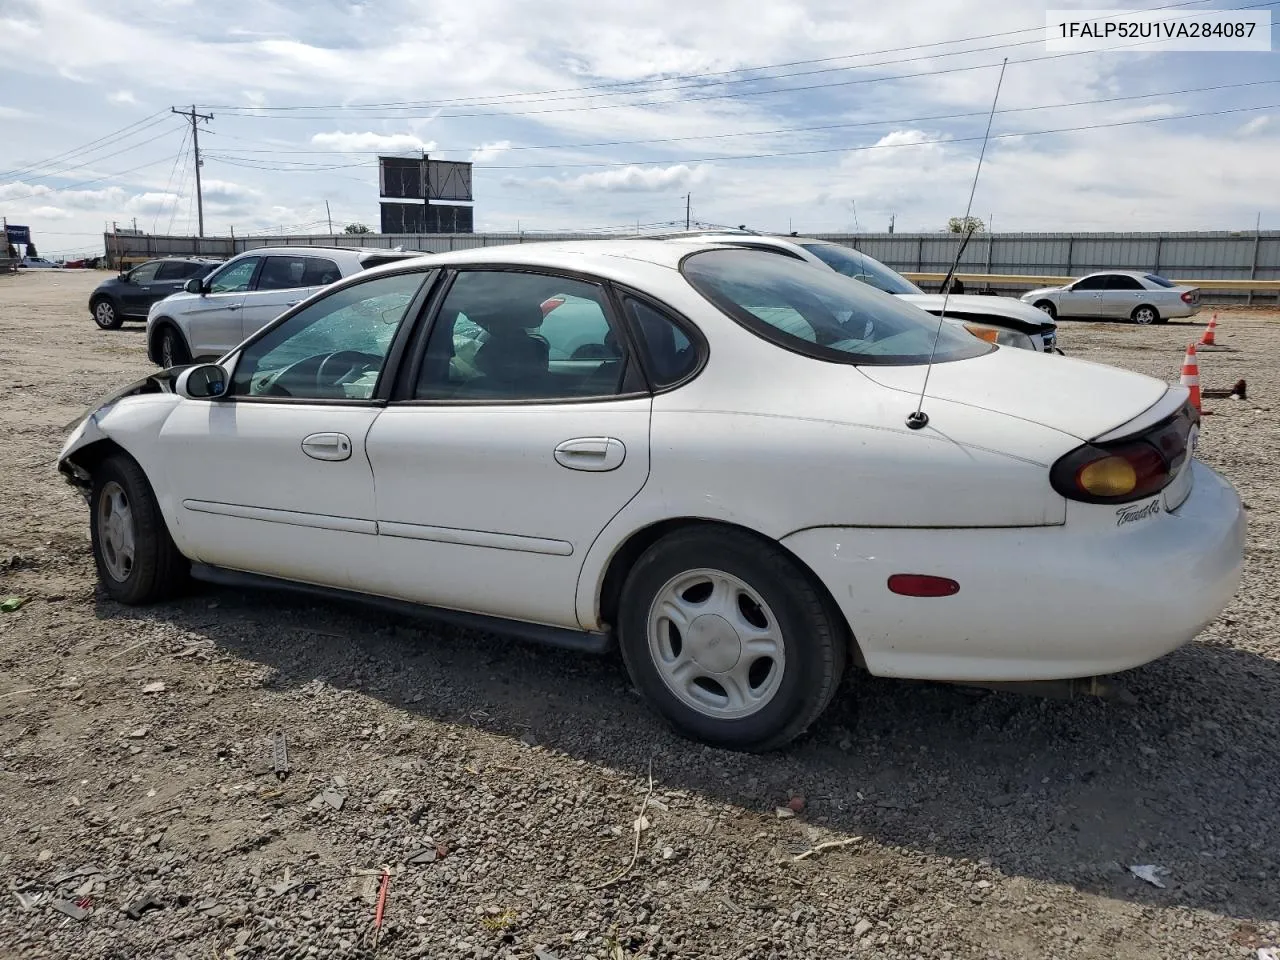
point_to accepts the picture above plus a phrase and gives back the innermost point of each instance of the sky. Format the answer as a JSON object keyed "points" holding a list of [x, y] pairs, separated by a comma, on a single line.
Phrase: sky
{"points": [[816, 116]]}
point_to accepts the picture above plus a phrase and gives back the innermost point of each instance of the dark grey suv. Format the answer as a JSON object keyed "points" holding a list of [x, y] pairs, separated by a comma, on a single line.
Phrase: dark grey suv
{"points": [[130, 295]]}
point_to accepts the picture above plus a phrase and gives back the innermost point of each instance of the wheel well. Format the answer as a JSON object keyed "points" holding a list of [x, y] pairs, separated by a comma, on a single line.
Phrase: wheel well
{"points": [[625, 557], [1154, 309], [153, 338], [87, 459], [1044, 301]]}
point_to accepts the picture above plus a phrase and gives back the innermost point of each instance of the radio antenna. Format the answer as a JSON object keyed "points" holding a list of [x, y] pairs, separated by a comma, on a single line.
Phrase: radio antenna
{"points": [[917, 418]]}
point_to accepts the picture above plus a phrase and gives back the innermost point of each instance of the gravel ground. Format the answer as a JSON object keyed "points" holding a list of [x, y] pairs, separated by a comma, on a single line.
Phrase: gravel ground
{"points": [[499, 783]]}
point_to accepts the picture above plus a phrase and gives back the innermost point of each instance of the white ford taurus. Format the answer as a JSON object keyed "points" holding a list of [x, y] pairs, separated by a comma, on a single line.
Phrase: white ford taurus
{"points": [[702, 452]]}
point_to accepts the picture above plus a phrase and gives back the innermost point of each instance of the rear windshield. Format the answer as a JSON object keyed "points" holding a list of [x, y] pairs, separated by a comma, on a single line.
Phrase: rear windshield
{"points": [[1160, 281], [822, 314], [853, 263]]}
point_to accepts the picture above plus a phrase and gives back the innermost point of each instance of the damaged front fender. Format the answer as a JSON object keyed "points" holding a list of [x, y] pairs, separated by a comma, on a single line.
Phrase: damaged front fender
{"points": [[88, 429]]}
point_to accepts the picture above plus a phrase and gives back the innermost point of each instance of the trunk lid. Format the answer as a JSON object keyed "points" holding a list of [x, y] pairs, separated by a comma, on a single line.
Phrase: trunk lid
{"points": [[1073, 396]]}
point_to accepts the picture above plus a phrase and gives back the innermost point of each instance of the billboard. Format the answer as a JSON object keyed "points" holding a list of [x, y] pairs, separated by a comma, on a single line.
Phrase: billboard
{"points": [[449, 180], [424, 218], [417, 178], [16, 234]]}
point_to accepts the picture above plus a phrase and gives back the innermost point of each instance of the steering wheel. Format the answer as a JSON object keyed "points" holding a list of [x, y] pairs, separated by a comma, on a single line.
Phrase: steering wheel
{"points": [[337, 367]]}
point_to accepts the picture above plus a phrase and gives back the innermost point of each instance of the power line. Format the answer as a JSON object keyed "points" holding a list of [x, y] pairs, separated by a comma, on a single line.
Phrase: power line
{"points": [[761, 133], [615, 85], [66, 154], [880, 146], [97, 159], [182, 145], [84, 183], [785, 153]]}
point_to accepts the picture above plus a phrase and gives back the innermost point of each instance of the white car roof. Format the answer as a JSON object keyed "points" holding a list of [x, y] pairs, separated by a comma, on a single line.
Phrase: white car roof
{"points": [[596, 256]]}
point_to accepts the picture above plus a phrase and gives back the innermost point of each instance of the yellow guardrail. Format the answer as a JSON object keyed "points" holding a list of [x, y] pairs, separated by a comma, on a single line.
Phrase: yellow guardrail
{"points": [[1018, 279]]}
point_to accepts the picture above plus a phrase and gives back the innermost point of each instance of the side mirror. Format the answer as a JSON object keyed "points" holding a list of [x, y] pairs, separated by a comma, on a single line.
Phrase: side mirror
{"points": [[208, 381], [194, 285], [124, 276]]}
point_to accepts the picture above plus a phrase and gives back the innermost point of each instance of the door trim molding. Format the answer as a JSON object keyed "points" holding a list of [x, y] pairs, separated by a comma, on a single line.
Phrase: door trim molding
{"points": [[293, 518], [476, 538]]}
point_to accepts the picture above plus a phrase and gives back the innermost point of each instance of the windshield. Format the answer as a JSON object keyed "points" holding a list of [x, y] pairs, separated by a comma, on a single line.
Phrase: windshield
{"points": [[853, 263], [1160, 281], [822, 314]]}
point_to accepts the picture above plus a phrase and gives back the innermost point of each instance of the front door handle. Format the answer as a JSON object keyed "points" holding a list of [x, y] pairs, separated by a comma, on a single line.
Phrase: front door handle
{"points": [[597, 454], [233, 306], [327, 446], [293, 303]]}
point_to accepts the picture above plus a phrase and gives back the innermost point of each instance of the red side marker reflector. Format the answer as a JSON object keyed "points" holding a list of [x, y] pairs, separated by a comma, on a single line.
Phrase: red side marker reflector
{"points": [[920, 585]]}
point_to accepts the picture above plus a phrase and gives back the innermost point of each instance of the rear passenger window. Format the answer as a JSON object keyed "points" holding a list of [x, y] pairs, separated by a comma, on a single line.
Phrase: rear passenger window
{"points": [[507, 335], [282, 273], [174, 270], [1118, 281], [669, 354], [320, 272]]}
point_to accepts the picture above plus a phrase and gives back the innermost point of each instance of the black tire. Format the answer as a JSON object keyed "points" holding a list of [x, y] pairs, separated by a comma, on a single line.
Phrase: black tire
{"points": [[1145, 314], [1047, 307], [157, 570], [106, 313], [171, 348], [815, 640]]}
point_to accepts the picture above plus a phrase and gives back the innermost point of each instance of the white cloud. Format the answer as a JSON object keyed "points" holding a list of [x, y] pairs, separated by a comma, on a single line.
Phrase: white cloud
{"points": [[1256, 125], [13, 113], [122, 97], [631, 179], [489, 151], [372, 142], [48, 213]]}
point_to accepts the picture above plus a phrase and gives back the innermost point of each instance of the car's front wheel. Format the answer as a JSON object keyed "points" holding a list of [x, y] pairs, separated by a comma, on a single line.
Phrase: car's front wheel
{"points": [[1145, 315], [1047, 306], [729, 639], [105, 314], [136, 558], [171, 349]]}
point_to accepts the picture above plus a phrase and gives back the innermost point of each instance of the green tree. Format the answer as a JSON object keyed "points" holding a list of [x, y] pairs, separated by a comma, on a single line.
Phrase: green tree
{"points": [[356, 228], [966, 225]]}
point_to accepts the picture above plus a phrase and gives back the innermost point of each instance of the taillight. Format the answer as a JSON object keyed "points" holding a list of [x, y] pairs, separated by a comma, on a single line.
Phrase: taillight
{"points": [[1189, 297], [1128, 469]]}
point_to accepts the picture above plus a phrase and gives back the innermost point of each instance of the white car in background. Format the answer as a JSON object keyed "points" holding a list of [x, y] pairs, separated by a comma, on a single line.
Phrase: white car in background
{"points": [[1001, 320], [213, 314], [728, 477], [37, 263], [1144, 298]]}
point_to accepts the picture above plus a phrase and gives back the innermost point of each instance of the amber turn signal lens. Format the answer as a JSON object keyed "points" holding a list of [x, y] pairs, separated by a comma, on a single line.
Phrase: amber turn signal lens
{"points": [[983, 333], [1109, 477]]}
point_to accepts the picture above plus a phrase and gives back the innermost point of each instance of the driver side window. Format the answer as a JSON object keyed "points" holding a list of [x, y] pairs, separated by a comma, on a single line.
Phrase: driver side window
{"points": [[334, 349], [235, 277]]}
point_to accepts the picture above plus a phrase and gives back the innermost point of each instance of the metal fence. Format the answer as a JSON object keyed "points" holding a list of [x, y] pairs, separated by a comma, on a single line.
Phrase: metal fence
{"points": [[1194, 256]]}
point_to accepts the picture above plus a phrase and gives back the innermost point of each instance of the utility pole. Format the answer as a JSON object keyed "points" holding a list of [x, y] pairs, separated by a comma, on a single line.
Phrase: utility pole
{"points": [[329, 216], [195, 119], [688, 206]]}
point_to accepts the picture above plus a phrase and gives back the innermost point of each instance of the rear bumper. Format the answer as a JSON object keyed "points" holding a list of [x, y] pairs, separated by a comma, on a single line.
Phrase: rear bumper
{"points": [[1036, 603]]}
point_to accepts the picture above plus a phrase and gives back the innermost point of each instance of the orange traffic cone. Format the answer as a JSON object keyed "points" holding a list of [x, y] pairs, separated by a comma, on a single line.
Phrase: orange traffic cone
{"points": [[1191, 375], [1207, 340]]}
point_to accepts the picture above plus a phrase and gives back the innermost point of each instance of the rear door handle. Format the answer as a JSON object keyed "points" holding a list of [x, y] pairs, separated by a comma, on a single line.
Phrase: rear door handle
{"points": [[598, 454], [327, 446], [233, 306], [293, 303]]}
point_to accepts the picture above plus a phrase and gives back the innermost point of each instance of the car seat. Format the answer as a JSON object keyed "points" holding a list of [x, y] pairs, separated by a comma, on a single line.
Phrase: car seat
{"points": [[513, 361]]}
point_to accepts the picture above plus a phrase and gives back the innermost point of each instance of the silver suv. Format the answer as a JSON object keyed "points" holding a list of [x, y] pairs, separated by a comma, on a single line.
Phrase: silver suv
{"points": [[212, 315]]}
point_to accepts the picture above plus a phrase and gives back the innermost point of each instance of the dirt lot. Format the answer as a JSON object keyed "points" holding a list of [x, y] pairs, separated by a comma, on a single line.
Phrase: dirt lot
{"points": [[500, 782]]}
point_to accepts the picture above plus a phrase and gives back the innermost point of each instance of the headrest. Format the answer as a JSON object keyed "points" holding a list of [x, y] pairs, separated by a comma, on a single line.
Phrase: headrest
{"points": [[506, 317]]}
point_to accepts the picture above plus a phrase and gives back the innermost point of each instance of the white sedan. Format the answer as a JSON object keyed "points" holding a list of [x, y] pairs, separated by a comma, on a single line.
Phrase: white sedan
{"points": [[1144, 298], [729, 478]]}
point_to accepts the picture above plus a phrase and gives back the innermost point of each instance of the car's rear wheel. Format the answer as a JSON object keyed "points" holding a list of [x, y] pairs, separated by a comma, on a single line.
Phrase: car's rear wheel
{"points": [[1145, 315], [105, 314], [171, 348], [136, 558], [729, 639], [1047, 307]]}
